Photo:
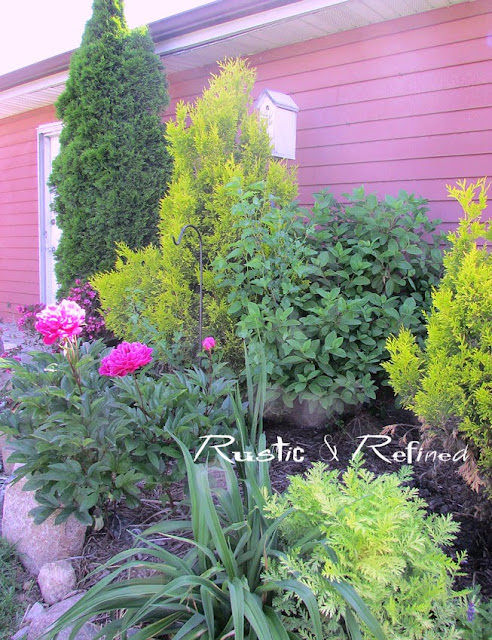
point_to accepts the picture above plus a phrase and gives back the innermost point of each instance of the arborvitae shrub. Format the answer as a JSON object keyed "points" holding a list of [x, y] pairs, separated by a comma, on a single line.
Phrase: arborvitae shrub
{"points": [[448, 384], [113, 165], [216, 139]]}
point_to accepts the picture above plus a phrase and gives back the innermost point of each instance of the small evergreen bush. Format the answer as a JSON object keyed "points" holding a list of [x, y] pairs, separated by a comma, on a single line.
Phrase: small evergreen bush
{"points": [[324, 290], [113, 165], [371, 532], [448, 384], [211, 142]]}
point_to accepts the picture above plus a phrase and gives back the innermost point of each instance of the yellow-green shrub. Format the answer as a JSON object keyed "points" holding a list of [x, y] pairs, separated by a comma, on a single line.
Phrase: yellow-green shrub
{"points": [[211, 142], [449, 384], [372, 533]]}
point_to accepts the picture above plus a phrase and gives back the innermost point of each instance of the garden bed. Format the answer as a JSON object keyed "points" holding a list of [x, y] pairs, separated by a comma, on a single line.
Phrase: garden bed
{"points": [[439, 484]]}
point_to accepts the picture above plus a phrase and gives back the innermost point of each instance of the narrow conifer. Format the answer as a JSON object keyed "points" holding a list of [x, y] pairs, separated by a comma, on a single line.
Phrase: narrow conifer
{"points": [[113, 165]]}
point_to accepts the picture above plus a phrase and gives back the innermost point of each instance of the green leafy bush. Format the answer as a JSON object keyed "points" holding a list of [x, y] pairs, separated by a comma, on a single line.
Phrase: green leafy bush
{"points": [[85, 439], [372, 533], [325, 289], [212, 141], [449, 383], [113, 165], [216, 590]]}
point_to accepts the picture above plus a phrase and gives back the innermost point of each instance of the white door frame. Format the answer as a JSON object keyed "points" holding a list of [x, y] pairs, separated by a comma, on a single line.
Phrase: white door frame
{"points": [[47, 284]]}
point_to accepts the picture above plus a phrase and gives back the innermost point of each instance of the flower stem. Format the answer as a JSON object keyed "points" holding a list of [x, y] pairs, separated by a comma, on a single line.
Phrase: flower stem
{"points": [[141, 405], [72, 356]]}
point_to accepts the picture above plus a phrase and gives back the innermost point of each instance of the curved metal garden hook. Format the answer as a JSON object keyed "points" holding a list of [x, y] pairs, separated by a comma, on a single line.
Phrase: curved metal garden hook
{"points": [[177, 243]]}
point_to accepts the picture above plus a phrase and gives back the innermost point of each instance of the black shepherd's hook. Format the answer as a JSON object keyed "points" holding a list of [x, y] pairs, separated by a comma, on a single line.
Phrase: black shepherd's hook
{"points": [[177, 242]]}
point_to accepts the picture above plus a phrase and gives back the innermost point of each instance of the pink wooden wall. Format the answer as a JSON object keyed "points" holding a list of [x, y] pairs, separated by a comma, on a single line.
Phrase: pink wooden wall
{"points": [[19, 239], [405, 104], [402, 104]]}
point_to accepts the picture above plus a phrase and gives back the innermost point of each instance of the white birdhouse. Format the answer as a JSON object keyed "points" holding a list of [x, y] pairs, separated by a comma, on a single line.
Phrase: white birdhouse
{"points": [[281, 113]]}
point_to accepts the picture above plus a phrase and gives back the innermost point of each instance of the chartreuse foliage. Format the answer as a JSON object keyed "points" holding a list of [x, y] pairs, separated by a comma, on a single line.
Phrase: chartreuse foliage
{"points": [[448, 384], [212, 141], [85, 444], [113, 165], [324, 290], [217, 589], [371, 533]]}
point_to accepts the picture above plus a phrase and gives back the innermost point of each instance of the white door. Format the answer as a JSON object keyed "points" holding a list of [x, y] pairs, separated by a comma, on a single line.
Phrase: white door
{"points": [[49, 233]]}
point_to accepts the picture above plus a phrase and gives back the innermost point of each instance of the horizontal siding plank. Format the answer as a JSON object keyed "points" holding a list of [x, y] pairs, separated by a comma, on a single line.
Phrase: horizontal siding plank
{"points": [[411, 127], [10, 162], [19, 149], [21, 277], [21, 266], [23, 195], [20, 171], [18, 209], [18, 185], [25, 228], [23, 246], [30, 291], [433, 102], [443, 146], [403, 170]]}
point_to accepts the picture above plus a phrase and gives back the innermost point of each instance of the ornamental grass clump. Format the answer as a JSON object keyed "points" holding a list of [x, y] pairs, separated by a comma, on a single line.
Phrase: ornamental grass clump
{"points": [[372, 533], [448, 384]]}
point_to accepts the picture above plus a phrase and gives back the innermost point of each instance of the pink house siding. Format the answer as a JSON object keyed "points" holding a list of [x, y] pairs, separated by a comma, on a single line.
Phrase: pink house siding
{"points": [[404, 104], [19, 236]]}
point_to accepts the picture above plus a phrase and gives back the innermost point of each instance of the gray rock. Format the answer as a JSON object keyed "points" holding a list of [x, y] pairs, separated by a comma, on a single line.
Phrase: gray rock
{"points": [[22, 633], [5, 451], [49, 617], [56, 580], [38, 544], [36, 610]]}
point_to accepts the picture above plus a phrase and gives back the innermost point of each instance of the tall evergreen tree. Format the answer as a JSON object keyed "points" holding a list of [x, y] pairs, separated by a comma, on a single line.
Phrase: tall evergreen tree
{"points": [[113, 165]]}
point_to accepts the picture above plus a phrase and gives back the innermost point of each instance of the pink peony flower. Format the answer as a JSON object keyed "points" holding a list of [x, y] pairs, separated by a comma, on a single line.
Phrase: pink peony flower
{"points": [[208, 344], [62, 321], [126, 358]]}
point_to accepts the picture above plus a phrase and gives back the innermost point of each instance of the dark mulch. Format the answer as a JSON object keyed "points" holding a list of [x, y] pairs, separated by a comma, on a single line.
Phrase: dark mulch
{"points": [[439, 483]]}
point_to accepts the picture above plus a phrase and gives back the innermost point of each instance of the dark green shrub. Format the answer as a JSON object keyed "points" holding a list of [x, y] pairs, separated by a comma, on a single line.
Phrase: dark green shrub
{"points": [[113, 165], [324, 294], [449, 383], [371, 532], [86, 443]]}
